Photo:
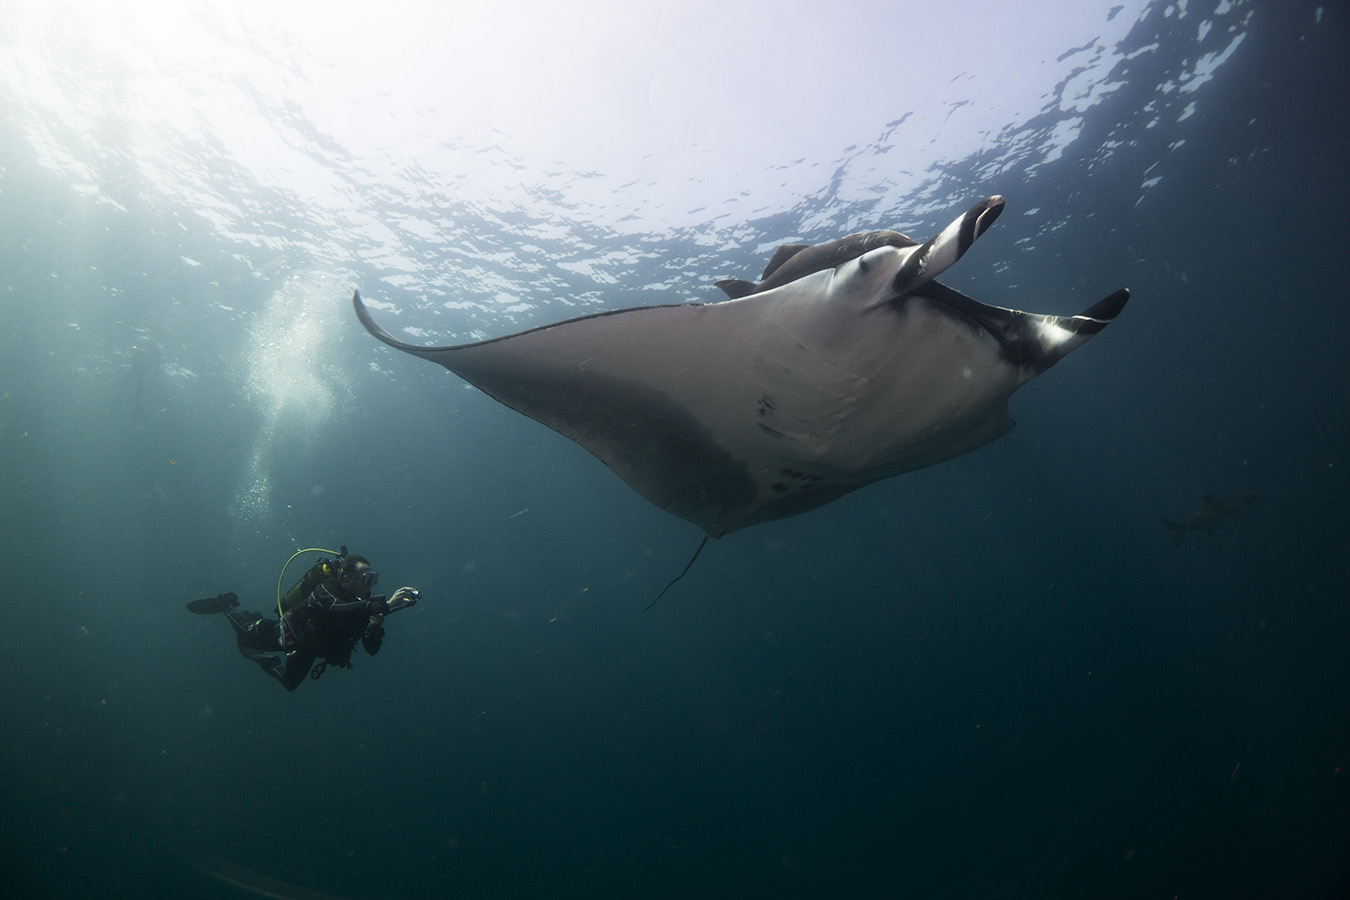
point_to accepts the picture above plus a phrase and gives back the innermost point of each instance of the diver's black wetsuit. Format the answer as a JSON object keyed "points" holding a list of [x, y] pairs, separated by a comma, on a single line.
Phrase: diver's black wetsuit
{"points": [[327, 624]]}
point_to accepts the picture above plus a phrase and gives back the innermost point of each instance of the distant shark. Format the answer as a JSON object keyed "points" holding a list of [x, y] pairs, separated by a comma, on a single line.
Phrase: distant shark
{"points": [[1205, 518]]}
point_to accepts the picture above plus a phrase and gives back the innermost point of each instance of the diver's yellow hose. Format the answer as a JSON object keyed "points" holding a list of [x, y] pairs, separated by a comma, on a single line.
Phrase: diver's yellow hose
{"points": [[280, 613]]}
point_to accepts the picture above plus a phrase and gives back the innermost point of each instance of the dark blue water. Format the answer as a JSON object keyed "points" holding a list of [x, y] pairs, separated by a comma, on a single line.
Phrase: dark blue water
{"points": [[995, 678]]}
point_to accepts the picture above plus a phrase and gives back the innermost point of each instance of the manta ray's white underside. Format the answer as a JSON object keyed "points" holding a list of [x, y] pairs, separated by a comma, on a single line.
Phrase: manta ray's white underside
{"points": [[734, 413]]}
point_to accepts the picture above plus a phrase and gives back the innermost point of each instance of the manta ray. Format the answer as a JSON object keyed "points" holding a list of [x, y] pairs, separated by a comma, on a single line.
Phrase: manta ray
{"points": [[844, 364]]}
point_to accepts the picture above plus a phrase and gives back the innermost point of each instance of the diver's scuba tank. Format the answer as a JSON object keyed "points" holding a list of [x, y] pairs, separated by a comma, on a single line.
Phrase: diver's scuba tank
{"points": [[321, 571]]}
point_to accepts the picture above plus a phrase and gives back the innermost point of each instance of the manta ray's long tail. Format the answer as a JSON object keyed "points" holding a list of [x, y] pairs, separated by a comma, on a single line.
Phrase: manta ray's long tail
{"points": [[689, 565]]}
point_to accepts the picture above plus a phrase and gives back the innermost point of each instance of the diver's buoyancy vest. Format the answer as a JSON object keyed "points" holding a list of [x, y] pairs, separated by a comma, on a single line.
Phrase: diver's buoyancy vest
{"points": [[323, 570]]}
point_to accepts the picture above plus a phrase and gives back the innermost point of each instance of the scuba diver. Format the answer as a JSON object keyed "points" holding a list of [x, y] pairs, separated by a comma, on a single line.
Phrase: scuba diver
{"points": [[323, 615]]}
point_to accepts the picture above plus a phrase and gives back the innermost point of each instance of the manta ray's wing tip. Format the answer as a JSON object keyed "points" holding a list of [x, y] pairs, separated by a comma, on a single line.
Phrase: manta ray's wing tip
{"points": [[362, 313], [370, 325]]}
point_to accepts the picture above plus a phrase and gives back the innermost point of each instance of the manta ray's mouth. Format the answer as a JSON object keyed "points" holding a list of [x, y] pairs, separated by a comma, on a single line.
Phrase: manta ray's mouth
{"points": [[957, 306]]}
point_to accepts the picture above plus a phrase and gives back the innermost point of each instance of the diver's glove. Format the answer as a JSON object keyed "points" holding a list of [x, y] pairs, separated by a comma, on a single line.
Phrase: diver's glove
{"points": [[402, 599]]}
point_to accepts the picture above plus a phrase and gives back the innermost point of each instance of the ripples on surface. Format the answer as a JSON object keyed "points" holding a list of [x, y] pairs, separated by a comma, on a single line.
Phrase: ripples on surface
{"points": [[498, 169]]}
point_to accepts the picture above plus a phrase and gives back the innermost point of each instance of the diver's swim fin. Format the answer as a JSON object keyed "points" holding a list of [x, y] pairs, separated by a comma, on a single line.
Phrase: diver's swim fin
{"points": [[216, 604]]}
